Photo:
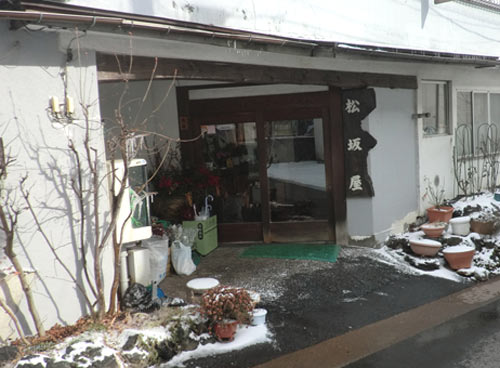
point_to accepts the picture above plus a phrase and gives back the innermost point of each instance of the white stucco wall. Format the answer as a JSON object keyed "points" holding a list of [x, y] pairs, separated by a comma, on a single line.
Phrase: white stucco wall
{"points": [[30, 71], [412, 24], [392, 165]]}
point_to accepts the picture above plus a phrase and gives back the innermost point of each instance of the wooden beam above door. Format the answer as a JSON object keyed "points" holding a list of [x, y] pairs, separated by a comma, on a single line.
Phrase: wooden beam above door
{"points": [[118, 68]]}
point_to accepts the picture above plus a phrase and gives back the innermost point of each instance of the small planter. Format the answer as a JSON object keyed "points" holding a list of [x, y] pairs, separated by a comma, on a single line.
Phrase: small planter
{"points": [[441, 214], [460, 225], [482, 227], [433, 229], [425, 247], [459, 256], [496, 196], [259, 316], [225, 331]]}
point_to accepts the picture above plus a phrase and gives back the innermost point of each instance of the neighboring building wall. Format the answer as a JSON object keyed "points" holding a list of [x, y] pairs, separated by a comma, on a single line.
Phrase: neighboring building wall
{"points": [[31, 68], [454, 26]]}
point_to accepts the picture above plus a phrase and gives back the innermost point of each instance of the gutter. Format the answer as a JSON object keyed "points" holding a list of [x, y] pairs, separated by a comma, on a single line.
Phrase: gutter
{"points": [[91, 21]]}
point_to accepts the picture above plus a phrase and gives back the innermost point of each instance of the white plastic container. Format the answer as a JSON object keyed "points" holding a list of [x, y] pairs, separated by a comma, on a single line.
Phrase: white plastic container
{"points": [[460, 225], [259, 316], [139, 267]]}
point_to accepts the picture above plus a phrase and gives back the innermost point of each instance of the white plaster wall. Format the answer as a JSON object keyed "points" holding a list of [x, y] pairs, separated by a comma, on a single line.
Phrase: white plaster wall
{"points": [[30, 72], [392, 166], [411, 24]]}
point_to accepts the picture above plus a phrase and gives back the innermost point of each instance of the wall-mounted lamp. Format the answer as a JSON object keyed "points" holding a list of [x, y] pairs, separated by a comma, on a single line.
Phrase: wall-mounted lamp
{"points": [[62, 113], [421, 115]]}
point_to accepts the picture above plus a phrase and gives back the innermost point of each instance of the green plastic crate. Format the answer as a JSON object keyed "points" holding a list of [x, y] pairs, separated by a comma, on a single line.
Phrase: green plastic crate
{"points": [[206, 238]]}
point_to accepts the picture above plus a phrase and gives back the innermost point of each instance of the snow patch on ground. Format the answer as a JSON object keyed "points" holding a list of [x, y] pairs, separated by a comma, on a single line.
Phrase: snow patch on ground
{"points": [[486, 262], [245, 337]]}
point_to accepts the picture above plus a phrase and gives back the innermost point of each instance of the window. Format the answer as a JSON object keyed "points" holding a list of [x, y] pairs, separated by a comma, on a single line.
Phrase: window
{"points": [[435, 102], [478, 120]]}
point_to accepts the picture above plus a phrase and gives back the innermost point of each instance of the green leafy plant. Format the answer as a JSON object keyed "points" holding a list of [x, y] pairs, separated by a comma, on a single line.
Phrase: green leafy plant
{"points": [[223, 304]]}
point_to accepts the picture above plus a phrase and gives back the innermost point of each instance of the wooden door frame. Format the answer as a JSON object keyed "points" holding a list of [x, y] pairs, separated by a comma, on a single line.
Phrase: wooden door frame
{"points": [[259, 109]]}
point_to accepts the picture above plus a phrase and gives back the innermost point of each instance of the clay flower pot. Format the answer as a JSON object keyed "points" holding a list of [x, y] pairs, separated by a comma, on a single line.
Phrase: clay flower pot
{"points": [[460, 225], [425, 247], [225, 331], [459, 256], [441, 214], [482, 227], [433, 229]]}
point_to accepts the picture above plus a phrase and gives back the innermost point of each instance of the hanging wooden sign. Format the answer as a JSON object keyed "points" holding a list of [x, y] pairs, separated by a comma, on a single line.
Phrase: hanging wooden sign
{"points": [[356, 105]]}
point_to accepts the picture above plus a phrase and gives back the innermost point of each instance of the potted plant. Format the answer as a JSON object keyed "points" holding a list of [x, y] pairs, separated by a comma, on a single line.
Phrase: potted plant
{"points": [[485, 223], [435, 194], [433, 229], [459, 256], [425, 247], [226, 308]]}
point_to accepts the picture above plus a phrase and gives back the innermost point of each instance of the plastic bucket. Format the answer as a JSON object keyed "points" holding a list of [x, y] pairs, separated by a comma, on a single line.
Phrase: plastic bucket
{"points": [[259, 316]]}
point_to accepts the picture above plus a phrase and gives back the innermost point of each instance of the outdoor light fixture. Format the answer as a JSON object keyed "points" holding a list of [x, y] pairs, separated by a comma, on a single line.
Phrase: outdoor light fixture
{"points": [[61, 113]]}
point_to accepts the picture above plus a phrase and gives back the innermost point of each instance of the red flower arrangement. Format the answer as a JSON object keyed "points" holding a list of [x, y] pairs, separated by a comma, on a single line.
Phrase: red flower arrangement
{"points": [[193, 184]]}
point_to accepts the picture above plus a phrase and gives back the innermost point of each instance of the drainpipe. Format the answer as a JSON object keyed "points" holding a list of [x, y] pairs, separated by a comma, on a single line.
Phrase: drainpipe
{"points": [[123, 272]]}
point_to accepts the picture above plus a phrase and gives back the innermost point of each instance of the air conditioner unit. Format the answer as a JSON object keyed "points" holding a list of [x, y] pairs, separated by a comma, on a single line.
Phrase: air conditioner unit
{"points": [[134, 216]]}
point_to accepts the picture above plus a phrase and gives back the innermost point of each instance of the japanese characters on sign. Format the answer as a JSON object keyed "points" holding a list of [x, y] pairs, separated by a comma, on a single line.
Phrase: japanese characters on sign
{"points": [[356, 105]]}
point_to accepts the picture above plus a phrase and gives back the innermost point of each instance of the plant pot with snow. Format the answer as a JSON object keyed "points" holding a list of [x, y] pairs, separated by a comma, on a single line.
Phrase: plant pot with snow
{"points": [[459, 256], [482, 226], [439, 213], [225, 308], [460, 225], [433, 229], [425, 247], [434, 193]]}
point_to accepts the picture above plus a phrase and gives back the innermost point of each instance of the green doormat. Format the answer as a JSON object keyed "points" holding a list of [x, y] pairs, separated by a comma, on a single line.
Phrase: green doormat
{"points": [[316, 252]]}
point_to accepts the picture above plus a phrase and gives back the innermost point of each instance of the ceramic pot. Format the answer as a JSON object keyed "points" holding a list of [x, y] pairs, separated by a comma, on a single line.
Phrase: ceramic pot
{"points": [[460, 225], [441, 214], [259, 316], [482, 227], [425, 247], [459, 256], [433, 229], [225, 331]]}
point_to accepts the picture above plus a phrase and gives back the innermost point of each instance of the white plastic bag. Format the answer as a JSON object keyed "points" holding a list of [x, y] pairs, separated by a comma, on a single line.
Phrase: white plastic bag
{"points": [[158, 257], [181, 258]]}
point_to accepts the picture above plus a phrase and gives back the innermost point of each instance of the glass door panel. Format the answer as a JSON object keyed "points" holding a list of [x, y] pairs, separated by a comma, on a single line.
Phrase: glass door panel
{"points": [[296, 170], [230, 152]]}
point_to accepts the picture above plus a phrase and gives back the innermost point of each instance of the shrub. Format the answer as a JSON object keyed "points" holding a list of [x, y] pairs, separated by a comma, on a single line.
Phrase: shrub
{"points": [[222, 304]]}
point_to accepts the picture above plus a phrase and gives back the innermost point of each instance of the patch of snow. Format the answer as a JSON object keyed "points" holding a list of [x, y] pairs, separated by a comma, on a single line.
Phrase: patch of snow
{"points": [[458, 249], [483, 199], [360, 237], [396, 259], [36, 359], [245, 337], [352, 300], [427, 242]]}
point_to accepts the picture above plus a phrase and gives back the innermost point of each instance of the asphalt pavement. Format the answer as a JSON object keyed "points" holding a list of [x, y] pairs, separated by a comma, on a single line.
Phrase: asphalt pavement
{"points": [[357, 305]]}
